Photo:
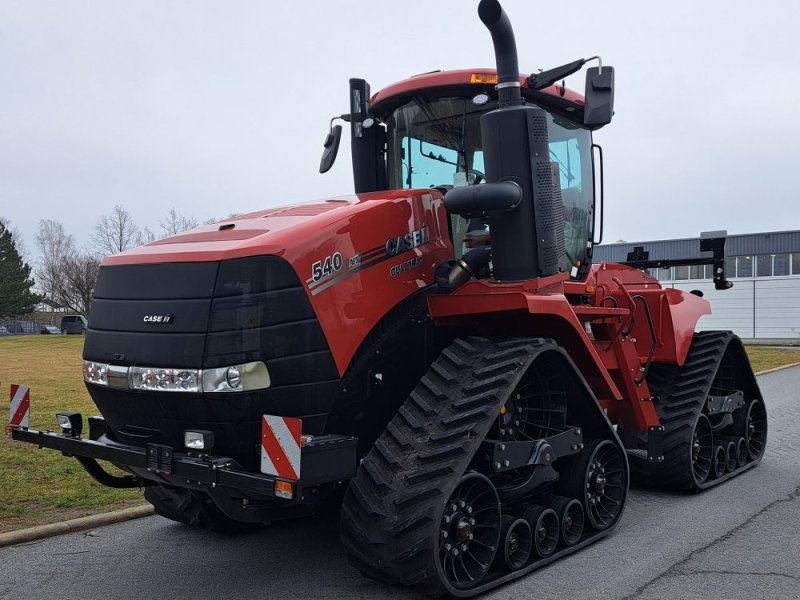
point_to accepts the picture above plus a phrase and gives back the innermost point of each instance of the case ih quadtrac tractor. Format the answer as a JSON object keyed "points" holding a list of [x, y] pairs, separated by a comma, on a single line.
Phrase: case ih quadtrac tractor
{"points": [[439, 345]]}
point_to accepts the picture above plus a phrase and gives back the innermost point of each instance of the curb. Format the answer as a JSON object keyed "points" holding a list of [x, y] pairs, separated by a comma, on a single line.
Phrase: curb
{"points": [[774, 369], [71, 526]]}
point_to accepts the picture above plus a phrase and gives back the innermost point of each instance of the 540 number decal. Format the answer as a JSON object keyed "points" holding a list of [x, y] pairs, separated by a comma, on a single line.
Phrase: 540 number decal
{"points": [[322, 269]]}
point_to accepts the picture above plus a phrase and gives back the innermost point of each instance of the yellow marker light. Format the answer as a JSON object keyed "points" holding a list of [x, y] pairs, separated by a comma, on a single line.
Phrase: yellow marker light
{"points": [[503, 410], [483, 78], [284, 489]]}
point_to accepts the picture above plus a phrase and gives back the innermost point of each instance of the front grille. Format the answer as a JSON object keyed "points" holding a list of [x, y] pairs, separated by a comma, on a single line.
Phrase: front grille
{"points": [[231, 312]]}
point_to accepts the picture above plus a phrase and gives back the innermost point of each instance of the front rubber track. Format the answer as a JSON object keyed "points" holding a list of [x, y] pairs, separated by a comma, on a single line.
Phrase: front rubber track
{"points": [[392, 508]]}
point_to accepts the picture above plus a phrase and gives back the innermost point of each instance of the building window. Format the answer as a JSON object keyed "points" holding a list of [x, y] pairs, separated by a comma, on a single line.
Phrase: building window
{"points": [[730, 267], [744, 266], [764, 265], [666, 274], [796, 263], [780, 265], [681, 273], [697, 272]]}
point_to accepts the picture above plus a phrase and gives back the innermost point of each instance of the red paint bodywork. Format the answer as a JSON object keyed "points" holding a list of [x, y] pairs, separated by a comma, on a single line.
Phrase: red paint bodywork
{"points": [[601, 321], [306, 233]]}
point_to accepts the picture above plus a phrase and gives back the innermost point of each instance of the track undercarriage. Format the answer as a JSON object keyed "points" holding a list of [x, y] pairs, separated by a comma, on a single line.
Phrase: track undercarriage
{"points": [[500, 462]]}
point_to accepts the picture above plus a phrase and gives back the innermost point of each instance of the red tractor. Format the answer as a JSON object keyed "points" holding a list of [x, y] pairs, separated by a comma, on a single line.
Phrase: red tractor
{"points": [[438, 345]]}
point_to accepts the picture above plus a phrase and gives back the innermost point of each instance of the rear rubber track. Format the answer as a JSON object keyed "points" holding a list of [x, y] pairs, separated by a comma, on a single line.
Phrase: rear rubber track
{"points": [[682, 393]]}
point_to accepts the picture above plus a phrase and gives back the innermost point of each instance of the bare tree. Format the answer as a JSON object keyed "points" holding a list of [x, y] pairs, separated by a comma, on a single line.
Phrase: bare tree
{"points": [[145, 236], [115, 232], [55, 245], [175, 223], [75, 287]]}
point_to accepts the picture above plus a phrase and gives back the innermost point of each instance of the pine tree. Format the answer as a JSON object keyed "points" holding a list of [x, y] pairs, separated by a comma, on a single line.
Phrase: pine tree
{"points": [[16, 297]]}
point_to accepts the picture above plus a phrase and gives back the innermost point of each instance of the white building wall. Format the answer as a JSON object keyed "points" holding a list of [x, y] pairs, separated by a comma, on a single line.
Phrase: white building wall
{"points": [[754, 308]]}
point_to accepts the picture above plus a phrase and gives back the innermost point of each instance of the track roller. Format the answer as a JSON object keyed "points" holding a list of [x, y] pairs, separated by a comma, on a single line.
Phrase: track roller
{"points": [[720, 461], [571, 517], [741, 452], [599, 478], [731, 456], [517, 543], [545, 527]]}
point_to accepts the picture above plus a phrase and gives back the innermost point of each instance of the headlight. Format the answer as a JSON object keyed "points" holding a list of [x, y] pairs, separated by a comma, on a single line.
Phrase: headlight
{"points": [[95, 372], [167, 380], [235, 378]]}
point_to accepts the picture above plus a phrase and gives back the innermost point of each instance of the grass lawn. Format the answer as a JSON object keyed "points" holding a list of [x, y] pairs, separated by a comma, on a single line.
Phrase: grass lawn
{"points": [[41, 486]]}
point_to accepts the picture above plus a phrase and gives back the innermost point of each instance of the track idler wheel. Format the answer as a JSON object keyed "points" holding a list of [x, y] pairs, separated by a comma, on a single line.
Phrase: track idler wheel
{"points": [[470, 531], [755, 429], [702, 449], [571, 517], [517, 540], [599, 479], [545, 529], [720, 461], [731, 456], [741, 452]]}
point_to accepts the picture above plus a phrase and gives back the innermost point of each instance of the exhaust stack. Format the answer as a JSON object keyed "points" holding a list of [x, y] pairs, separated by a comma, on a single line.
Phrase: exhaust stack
{"points": [[527, 227]]}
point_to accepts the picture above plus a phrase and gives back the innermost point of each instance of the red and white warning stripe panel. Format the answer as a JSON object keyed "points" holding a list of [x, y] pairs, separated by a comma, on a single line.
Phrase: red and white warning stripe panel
{"points": [[280, 446], [20, 405]]}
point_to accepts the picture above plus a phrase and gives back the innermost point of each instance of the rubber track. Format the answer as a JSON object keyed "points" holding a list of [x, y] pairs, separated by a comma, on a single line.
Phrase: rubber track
{"points": [[682, 393], [390, 510]]}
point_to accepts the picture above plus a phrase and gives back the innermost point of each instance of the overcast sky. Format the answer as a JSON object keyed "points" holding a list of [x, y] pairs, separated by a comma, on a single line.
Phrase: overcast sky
{"points": [[219, 107]]}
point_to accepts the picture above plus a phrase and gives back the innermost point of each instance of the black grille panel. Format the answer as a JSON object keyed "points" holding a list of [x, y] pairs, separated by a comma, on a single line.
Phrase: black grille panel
{"points": [[242, 310]]}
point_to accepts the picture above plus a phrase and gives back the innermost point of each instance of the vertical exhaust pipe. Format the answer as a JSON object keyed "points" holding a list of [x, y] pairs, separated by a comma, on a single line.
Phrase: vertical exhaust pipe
{"points": [[505, 51], [527, 234]]}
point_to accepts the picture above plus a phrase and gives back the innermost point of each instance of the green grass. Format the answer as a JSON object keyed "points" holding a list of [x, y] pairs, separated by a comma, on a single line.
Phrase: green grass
{"points": [[42, 486], [769, 358]]}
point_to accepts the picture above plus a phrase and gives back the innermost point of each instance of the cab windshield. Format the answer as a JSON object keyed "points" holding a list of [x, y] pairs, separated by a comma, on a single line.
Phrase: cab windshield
{"points": [[437, 144]]}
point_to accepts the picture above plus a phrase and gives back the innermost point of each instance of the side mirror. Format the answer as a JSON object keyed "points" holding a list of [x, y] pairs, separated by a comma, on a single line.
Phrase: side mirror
{"points": [[599, 96], [331, 148]]}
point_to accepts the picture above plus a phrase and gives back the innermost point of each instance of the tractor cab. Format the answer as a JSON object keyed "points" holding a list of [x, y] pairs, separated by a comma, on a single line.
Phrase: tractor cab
{"points": [[425, 132]]}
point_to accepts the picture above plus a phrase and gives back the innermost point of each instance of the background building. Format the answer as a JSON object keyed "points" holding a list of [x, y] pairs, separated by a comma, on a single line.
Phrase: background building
{"points": [[764, 302]]}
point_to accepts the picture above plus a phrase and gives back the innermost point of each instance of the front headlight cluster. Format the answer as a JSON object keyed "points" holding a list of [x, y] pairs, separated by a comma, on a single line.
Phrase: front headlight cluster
{"points": [[235, 378]]}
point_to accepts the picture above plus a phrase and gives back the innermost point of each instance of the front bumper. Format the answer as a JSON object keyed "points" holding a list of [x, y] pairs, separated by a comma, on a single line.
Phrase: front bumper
{"points": [[326, 459]]}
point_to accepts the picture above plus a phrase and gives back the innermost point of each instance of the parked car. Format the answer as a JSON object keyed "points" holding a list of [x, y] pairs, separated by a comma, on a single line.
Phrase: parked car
{"points": [[47, 329], [74, 324], [3, 330]]}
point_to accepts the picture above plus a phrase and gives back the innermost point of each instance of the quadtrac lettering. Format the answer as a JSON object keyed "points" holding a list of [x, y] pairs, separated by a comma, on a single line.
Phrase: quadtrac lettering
{"points": [[405, 266]]}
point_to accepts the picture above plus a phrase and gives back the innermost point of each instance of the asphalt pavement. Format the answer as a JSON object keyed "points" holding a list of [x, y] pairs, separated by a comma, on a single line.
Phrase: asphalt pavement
{"points": [[738, 541]]}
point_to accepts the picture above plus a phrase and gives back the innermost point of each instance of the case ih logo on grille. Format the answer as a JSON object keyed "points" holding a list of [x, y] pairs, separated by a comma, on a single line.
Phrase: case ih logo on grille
{"points": [[20, 405], [280, 446], [159, 319]]}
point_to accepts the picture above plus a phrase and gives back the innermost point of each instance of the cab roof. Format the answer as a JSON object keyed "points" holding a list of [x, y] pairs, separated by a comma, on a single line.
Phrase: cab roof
{"points": [[466, 82]]}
